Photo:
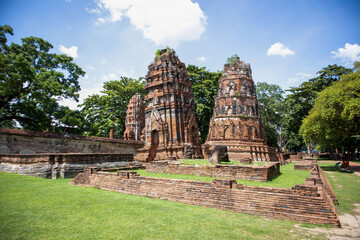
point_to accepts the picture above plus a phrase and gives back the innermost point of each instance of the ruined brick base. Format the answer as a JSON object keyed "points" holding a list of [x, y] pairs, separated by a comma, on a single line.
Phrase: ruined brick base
{"points": [[309, 203], [65, 165], [305, 165], [254, 173], [244, 151], [167, 153]]}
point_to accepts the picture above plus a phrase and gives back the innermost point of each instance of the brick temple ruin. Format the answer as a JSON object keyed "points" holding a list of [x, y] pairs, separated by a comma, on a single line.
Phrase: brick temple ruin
{"points": [[236, 120], [171, 131], [135, 118], [311, 202]]}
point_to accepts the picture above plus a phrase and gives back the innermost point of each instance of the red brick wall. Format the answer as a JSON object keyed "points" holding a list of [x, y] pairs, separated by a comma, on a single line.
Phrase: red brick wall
{"points": [[64, 158], [26, 142], [254, 173], [302, 203]]}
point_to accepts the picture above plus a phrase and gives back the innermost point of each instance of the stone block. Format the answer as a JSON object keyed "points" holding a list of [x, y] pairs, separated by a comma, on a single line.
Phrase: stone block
{"points": [[219, 154]]}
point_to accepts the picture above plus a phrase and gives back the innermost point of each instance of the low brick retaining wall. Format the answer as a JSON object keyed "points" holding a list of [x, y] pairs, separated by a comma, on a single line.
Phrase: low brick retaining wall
{"points": [[307, 203], [306, 165], [255, 173], [66, 165]]}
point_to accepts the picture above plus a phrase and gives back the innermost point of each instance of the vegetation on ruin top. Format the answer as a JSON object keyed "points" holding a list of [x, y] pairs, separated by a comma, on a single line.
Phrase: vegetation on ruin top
{"points": [[233, 60], [162, 52], [36, 208]]}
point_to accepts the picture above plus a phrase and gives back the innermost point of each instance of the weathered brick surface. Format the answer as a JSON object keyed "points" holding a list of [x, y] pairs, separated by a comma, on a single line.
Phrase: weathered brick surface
{"points": [[170, 120], [61, 164], [236, 121], [135, 118], [27, 142], [255, 173], [306, 165], [302, 203]]}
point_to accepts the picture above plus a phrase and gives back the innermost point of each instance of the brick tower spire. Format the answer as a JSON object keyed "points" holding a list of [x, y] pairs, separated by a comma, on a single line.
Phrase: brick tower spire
{"points": [[236, 120], [170, 123]]}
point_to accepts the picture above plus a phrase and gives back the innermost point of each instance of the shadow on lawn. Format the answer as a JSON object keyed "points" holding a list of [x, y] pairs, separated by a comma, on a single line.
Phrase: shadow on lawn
{"points": [[337, 169]]}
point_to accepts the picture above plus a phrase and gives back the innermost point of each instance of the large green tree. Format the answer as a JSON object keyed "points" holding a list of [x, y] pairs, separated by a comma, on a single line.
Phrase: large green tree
{"points": [[205, 85], [300, 101], [108, 110], [271, 101], [334, 121], [32, 80]]}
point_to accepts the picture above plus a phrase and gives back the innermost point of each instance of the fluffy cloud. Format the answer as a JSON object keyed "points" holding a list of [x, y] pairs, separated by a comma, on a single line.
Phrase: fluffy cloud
{"points": [[349, 54], [71, 51], [279, 49], [300, 77], [162, 21], [202, 59]]}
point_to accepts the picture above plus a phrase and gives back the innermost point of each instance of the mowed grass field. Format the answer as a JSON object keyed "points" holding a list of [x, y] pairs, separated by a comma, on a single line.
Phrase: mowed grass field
{"points": [[287, 179], [35, 208]]}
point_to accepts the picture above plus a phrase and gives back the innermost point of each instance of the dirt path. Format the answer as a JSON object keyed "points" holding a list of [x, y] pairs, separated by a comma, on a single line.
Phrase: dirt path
{"points": [[350, 227]]}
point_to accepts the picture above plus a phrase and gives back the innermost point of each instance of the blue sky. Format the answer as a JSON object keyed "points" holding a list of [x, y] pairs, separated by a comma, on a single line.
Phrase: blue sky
{"points": [[286, 42]]}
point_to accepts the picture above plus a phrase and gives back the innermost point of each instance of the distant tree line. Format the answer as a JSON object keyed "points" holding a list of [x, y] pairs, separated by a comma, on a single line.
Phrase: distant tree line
{"points": [[322, 113]]}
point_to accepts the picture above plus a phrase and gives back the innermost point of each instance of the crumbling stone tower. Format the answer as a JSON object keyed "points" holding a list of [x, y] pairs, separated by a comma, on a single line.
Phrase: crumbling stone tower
{"points": [[170, 123], [135, 118], [236, 120]]}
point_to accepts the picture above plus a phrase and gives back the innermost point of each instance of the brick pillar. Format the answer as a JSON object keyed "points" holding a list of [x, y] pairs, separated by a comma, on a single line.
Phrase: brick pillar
{"points": [[112, 133]]}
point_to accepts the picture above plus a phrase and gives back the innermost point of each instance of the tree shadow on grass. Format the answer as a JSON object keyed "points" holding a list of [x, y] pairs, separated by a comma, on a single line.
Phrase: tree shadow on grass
{"points": [[336, 169]]}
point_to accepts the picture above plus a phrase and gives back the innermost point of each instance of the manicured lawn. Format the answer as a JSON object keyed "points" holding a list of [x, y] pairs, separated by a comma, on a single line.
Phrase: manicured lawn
{"points": [[287, 179], [35, 208], [345, 185]]}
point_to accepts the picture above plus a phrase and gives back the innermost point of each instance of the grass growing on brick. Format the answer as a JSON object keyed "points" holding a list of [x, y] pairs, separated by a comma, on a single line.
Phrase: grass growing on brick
{"points": [[35, 208], [287, 178], [345, 185]]}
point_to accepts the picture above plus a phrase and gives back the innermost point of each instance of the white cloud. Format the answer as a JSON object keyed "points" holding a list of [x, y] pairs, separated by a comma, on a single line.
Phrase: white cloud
{"points": [[349, 54], [202, 59], [300, 77], [110, 76], [304, 75], [162, 21], [279, 49], [94, 10], [71, 51]]}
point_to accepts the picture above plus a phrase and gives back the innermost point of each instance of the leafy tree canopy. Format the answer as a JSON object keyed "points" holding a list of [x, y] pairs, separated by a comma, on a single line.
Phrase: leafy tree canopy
{"points": [[334, 121], [205, 85], [270, 97], [301, 99], [108, 110], [32, 80]]}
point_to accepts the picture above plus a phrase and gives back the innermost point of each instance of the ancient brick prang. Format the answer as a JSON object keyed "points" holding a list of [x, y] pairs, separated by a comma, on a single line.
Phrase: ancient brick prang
{"points": [[236, 120], [170, 121], [135, 118]]}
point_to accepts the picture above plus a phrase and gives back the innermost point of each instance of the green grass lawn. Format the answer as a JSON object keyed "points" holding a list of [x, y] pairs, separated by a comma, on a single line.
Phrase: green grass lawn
{"points": [[287, 179], [36, 208], [345, 185]]}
